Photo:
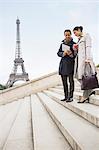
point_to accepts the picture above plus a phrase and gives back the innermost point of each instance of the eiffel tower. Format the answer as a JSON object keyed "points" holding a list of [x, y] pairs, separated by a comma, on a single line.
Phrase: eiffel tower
{"points": [[15, 76]]}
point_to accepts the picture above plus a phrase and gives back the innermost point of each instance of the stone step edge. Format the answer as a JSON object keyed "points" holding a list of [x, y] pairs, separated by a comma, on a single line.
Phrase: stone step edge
{"points": [[92, 119], [78, 95], [36, 147], [74, 144]]}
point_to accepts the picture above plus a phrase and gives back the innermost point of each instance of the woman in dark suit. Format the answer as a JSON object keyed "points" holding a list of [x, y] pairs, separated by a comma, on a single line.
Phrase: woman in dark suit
{"points": [[66, 66]]}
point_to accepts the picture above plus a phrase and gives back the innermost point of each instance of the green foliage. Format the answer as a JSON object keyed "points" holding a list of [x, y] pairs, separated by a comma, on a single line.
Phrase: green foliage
{"points": [[97, 66], [2, 87]]}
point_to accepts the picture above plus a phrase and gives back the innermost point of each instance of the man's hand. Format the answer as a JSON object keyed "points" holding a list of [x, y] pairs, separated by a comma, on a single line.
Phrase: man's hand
{"points": [[67, 52]]}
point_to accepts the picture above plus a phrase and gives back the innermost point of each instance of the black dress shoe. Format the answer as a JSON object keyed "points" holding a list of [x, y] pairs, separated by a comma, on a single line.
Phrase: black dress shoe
{"points": [[86, 100], [69, 100], [63, 99]]}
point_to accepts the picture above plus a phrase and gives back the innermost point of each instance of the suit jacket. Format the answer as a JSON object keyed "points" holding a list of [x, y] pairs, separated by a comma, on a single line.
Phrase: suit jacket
{"points": [[66, 65]]}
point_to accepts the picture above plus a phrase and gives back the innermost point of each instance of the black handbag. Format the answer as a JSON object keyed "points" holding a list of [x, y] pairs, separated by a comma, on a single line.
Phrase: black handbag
{"points": [[89, 81]]}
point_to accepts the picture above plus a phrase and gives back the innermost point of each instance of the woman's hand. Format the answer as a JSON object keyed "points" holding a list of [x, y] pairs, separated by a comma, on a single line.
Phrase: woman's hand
{"points": [[75, 46]]}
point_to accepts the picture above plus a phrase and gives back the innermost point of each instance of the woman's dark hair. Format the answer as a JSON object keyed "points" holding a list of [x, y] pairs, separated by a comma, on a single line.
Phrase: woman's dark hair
{"points": [[78, 27], [68, 31]]}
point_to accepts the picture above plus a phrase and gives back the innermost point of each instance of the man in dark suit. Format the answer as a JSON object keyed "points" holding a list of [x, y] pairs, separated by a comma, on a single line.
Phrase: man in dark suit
{"points": [[66, 67]]}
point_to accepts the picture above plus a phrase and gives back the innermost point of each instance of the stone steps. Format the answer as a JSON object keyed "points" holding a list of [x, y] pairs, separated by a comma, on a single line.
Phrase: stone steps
{"points": [[5, 110], [94, 99], [20, 135], [46, 135], [28, 126], [88, 111], [81, 134], [6, 123], [32, 117], [42, 122]]}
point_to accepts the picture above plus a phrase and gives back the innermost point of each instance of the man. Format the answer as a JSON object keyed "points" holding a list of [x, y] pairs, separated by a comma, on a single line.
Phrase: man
{"points": [[66, 67]]}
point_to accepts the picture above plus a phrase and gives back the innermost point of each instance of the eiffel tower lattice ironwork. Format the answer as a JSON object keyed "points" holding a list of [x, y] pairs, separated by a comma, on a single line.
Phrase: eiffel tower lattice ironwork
{"points": [[15, 76]]}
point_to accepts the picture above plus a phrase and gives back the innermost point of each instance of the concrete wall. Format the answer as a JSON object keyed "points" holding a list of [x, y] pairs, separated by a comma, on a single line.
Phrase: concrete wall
{"points": [[29, 87]]}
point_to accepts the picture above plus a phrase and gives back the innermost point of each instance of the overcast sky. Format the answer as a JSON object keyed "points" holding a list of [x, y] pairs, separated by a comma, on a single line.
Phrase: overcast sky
{"points": [[42, 25]]}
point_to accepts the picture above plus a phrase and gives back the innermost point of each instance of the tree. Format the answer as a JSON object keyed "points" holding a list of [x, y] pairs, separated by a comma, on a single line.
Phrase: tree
{"points": [[2, 87], [97, 66]]}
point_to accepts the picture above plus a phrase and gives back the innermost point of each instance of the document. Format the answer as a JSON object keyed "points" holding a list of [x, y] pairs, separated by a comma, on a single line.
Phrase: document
{"points": [[65, 47]]}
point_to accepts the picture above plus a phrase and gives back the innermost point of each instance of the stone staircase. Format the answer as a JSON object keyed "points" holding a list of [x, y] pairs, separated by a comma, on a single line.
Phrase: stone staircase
{"points": [[40, 121]]}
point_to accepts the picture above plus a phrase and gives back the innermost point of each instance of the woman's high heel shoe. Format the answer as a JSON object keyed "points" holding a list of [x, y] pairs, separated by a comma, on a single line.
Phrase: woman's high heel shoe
{"points": [[86, 100]]}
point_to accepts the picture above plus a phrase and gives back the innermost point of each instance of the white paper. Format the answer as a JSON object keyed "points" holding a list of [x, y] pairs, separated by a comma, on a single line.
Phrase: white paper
{"points": [[65, 47]]}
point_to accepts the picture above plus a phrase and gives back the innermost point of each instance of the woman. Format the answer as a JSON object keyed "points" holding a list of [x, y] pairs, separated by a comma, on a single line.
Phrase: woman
{"points": [[84, 57], [66, 66]]}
